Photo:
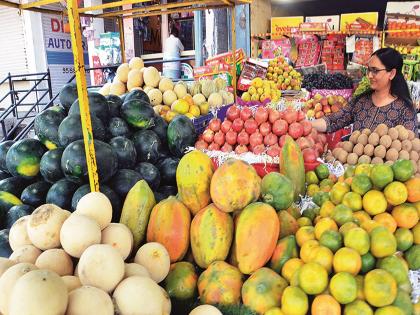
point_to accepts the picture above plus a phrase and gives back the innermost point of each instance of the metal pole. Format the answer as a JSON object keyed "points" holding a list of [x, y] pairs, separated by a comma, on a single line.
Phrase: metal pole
{"points": [[49, 84], [79, 67], [233, 13], [198, 38], [122, 40]]}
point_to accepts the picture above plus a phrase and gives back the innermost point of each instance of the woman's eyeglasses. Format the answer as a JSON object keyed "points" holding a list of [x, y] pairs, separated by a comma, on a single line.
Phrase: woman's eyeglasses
{"points": [[375, 71]]}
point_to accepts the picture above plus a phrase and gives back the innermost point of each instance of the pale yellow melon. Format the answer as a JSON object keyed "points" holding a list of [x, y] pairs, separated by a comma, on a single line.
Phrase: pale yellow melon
{"points": [[147, 89], [117, 88], [97, 206], [199, 99], [155, 97], [18, 234], [44, 226], [56, 260], [180, 90], [205, 309], [134, 269], [122, 72], [101, 266], [151, 77], [169, 97], [155, 258], [166, 84], [167, 305], [25, 254], [78, 233], [39, 292], [71, 282], [88, 300], [135, 79], [104, 90], [5, 264], [120, 237], [136, 63]]}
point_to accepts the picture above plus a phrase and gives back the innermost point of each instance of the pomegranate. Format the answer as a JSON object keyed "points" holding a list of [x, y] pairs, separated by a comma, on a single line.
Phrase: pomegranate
{"points": [[219, 138], [303, 143], [280, 127], [256, 139], [319, 148], [290, 115], [295, 130], [243, 138], [265, 128], [261, 115], [300, 116], [214, 147], [241, 149], [270, 139], [201, 145], [226, 148], [238, 124], [307, 127], [233, 112], [246, 113], [258, 149], [309, 155], [250, 126], [273, 115], [273, 151], [226, 125], [208, 135], [282, 140], [230, 137], [215, 124]]}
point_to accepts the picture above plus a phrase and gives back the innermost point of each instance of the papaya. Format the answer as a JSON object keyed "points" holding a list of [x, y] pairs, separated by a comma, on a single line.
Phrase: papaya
{"points": [[234, 185], [211, 235], [169, 225], [256, 235], [181, 281], [382, 242], [288, 224], [263, 290], [135, 214], [220, 283], [193, 177], [277, 190], [286, 249], [292, 166], [396, 268]]}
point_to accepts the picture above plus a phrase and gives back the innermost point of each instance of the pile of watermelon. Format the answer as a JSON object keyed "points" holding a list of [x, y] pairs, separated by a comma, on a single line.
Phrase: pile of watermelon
{"points": [[131, 143]]}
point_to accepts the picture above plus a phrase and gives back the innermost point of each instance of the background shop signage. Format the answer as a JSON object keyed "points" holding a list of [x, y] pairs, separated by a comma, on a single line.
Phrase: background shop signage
{"points": [[284, 24], [59, 55], [359, 21], [332, 21]]}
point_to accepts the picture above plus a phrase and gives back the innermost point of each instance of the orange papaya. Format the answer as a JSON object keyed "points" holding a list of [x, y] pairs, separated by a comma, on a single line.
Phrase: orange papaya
{"points": [[169, 225], [288, 224], [234, 185], [211, 235], [256, 235], [220, 283], [181, 282], [286, 249], [292, 165], [193, 177], [263, 290]]}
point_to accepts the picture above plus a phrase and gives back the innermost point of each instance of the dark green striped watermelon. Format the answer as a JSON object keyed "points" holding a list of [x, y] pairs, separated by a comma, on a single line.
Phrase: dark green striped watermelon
{"points": [[114, 103], [148, 146], [50, 165], [14, 185], [123, 181], [160, 127], [61, 193], [137, 95], [73, 161], [167, 168], [150, 174], [17, 212], [118, 127], [68, 95], [125, 150], [70, 129], [7, 201], [5, 250], [4, 175], [138, 114], [4, 148], [181, 135], [164, 192], [24, 157], [35, 194], [98, 105], [46, 126]]}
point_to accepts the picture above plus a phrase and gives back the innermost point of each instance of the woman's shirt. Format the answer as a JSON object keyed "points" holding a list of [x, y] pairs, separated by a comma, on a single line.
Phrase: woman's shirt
{"points": [[364, 114], [172, 50]]}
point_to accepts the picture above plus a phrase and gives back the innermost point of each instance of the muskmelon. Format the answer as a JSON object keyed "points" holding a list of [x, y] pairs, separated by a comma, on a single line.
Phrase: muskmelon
{"points": [[71, 282], [155, 96], [134, 269], [122, 72], [155, 258], [151, 77], [180, 90], [56, 260], [117, 88], [135, 79], [120, 237], [169, 97], [97, 206], [25, 254], [89, 300], [18, 235], [166, 84], [136, 63]]}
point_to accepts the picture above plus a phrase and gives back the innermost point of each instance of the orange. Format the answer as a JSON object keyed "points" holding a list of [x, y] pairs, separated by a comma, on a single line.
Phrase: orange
{"points": [[323, 225], [338, 191], [189, 99], [374, 202], [290, 267], [274, 311], [416, 233], [361, 184], [357, 239], [308, 250], [380, 288], [381, 175], [347, 227], [332, 240], [294, 301], [312, 189], [368, 262], [386, 220], [405, 215], [413, 188], [347, 260], [323, 256], [360, 287], [417, 205], [343, 287], [406, 237], [313, 278], [304, 221], [326, 209], [389, 310], [358, 307], [353, 201], [363, 169], [361, 216], [304, 234], [396, 193], [370, 225], [325, 304]]}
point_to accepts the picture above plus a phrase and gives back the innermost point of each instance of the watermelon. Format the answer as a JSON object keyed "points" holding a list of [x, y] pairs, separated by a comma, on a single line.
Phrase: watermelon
{"points": [[114, 104], [164, 192], [118, 127], [23, 158], [73, 161], [5, 250], [71, 129], [46, 126], [68, 95], [98, 105], [17, 212], [14, 185], [61, 193], [160, 127], [123, 181], [150, 174], [125, 150], [50, 165], [122, 97], [181, 135], [4, 175], [148, 146], [137, 95], [35, 194], [4, 148], [167, 168], [112, 196], [7, 201], [138, 113]]}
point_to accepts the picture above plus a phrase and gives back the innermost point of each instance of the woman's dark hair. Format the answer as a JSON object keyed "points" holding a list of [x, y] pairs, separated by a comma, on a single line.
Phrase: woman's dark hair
{"points": [[392, 59], [174, 31]]}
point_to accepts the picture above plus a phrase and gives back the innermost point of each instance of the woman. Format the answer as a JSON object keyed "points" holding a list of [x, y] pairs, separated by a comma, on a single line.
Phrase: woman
{"points": [[172, 50], [388, 101]]}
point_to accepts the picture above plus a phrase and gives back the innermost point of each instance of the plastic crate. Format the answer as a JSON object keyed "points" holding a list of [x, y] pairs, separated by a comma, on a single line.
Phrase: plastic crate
{"points": [[200, 123]]}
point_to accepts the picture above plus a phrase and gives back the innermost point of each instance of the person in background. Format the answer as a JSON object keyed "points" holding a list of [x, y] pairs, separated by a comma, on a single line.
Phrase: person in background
{"points": [[387, 102], [172, 50]]}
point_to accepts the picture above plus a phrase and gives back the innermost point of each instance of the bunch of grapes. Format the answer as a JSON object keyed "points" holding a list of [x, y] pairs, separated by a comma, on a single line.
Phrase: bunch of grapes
{"points": [[327, 81]]}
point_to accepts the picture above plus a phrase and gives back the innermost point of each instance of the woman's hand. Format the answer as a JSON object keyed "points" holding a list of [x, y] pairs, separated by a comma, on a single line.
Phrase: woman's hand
{"points": [[319, 125]]}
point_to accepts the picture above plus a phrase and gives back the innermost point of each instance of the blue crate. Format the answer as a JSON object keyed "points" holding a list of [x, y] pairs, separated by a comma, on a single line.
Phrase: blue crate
{"points": [[200, 123]]}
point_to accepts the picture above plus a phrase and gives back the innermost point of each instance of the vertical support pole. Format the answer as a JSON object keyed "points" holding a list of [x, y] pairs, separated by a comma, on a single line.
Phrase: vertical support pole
{"points": [[79, 67], [198, 38], [233, 13], [122, 40], [49, 85]]}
